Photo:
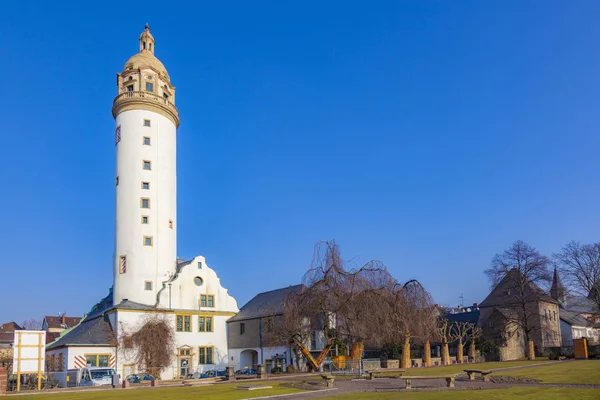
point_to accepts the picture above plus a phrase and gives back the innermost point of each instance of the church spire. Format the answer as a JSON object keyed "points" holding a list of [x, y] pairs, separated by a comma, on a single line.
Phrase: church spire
{"points": [[557, 290]]}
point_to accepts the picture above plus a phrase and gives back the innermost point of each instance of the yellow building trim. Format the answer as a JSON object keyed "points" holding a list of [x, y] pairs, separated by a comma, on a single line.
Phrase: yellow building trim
{"points": [[185, 312]]}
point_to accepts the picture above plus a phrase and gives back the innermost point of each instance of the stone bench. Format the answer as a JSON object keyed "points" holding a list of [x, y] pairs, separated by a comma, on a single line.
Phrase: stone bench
{"points": [[395, 371], [483, 372], [449, 379], [329, 379]]}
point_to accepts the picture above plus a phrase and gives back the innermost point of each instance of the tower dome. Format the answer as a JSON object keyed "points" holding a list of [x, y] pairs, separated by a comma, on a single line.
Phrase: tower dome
{"points": [[145, 83]]}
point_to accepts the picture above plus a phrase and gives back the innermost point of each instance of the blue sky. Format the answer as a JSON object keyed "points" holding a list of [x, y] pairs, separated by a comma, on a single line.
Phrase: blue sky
{"points": [[427, 134]]}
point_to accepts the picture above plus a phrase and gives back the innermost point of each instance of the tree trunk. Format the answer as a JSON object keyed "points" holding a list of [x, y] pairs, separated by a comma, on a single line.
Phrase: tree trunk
{"points": [[406, 353], [530, 350], [445, 354], [427, 354], [459, 353], [472, 350]]}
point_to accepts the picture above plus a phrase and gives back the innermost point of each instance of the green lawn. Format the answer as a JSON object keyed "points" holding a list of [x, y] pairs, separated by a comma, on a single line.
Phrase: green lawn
{"points": [[209, 392], [457, 369], [576, 372], [522, 393]]}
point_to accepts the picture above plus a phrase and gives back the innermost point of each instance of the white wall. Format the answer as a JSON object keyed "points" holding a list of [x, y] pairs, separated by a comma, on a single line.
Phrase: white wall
{"points": [[145, 263], [185, 294], [69, 353], [240, 358], [129, 322]]}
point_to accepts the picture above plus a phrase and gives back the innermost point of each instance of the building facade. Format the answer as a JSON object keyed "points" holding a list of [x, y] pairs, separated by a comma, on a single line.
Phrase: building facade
{"points": [[150, 282], [509, 308]]}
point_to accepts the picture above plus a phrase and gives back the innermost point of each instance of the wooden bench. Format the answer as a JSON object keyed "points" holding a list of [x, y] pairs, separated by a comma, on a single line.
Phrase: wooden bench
{"points": [[483, 372], [449, 379], [329, 379], [396, 371]]}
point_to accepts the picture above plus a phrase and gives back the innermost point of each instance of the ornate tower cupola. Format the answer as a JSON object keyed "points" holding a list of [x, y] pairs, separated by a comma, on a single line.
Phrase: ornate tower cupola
{"points": [[145, 83]]}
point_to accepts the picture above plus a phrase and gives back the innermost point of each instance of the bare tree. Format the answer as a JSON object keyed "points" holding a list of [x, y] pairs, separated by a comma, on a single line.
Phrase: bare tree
{"points": [[520, 269], [460, 332], [580, 266], [155, 344], [474, 334], [447, 336], [407, 317], [31, 324]]}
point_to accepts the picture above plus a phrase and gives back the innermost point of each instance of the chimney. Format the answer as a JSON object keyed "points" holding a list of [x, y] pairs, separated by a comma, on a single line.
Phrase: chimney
{"points": [[475, 305], [63, 319]]}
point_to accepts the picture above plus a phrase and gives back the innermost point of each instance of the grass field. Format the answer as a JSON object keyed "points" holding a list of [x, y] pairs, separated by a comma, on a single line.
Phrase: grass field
{"points": [[521, 393], [575, 372], [457, 369], [209, 392]]}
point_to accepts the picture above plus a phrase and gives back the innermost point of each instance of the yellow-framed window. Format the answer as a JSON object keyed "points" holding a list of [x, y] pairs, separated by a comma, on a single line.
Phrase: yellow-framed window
{"points": [[207, 300], [183, 323], [206, 355], [205, 323], [97, 360]]}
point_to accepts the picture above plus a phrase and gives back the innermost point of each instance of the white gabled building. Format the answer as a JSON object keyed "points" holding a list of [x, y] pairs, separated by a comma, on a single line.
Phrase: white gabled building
{"points": [[149, 279]]}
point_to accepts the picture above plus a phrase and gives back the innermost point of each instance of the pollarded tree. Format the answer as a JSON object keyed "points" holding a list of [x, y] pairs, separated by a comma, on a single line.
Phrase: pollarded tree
{"points": [[446, 335], [460, 332], [474, 334], [519, 270]]}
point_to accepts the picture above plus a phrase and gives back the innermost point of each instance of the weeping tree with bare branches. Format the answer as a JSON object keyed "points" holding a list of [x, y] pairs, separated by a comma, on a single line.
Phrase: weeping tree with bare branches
{"points": [[354, 305], [338, 301], [409, 317]]}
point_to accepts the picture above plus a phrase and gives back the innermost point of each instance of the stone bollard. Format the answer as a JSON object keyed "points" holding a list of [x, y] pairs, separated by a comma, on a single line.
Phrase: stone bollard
{"points": [[261, 372], [125, 384], [3, 382], [154, 383], [230, 373]]}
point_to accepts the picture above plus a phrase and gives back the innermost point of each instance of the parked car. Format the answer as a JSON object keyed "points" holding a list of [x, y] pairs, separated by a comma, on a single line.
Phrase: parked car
{"points": [[135, 378], [246, 371], [207, 374]]}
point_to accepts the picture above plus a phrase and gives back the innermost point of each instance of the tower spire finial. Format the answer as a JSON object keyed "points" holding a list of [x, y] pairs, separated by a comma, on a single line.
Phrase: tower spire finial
{"points": [[146, 40]]}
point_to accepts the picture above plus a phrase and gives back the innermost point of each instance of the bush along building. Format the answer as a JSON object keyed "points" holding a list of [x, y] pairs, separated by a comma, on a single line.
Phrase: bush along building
{"points": [[163, 315]]}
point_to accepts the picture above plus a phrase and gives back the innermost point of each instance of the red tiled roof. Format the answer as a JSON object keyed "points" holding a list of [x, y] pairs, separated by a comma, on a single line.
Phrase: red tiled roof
{"points": [[56, 322], [7, 335], [52, 336], [9, 327]]}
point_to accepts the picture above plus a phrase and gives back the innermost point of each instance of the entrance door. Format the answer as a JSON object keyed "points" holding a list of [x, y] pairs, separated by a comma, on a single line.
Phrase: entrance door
{"points": [[128, 369], [184, 366]]}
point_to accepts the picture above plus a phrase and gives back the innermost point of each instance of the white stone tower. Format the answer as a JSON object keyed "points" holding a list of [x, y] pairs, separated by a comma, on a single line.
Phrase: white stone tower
{"points": [[146, 180]]}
